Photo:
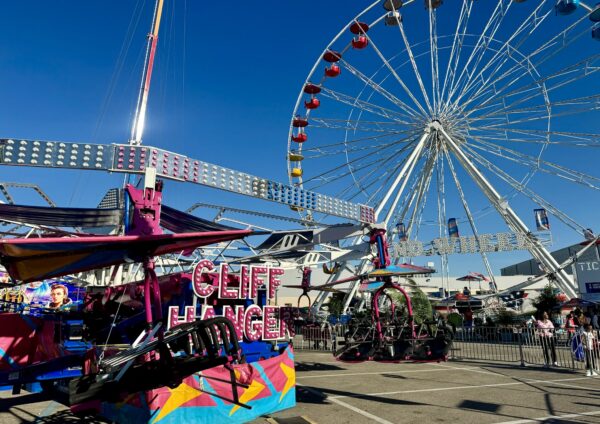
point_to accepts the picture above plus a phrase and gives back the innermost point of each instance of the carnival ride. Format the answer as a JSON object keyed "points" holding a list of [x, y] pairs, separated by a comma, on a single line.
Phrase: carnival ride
{"points": [[477, 115], [391, 336], [372, 126]]}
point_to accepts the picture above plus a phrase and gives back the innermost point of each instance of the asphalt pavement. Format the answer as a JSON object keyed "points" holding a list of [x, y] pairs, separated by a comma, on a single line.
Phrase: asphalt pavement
{"points": [[462, 392]]}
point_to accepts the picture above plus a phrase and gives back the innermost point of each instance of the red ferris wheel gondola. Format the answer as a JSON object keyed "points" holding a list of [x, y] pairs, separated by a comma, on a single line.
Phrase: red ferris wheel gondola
{"points": [[332, 57], [300, 137], [360, 29], [313, 103]]}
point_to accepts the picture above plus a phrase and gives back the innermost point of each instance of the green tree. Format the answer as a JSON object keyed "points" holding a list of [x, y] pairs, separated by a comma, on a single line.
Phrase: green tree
{"points": [[546, 301], [422, 309], [336, 303]]}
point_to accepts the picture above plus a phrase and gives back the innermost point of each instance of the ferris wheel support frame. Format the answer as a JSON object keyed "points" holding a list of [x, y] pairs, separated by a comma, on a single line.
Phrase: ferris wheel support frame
{"points": [[537, 250], [404, 173]]}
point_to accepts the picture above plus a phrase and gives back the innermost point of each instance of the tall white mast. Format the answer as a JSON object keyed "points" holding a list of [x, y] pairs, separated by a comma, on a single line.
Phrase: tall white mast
{"points": [[137, 128]]}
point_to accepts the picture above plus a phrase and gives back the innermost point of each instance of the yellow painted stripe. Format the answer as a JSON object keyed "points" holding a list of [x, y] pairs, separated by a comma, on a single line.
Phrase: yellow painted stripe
{"points": [[158, 16]]}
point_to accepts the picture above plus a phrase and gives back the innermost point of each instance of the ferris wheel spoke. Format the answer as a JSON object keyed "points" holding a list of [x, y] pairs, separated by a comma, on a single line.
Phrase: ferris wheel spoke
{"points": [[503, 53], [585, 103], [478, 52], [433, 50], [373, 178], [354, 125], [560, 79], [441, 207], [377, 165], [379, 151], [595, 106], [373, 148], [572, 139], [468, 212], [382, 180], [395, 74], [355, 102], [421, 197], [523, 189], [414, 64], [402, 178], [558, 43], [357, 140], [379, 89], [457, 45], [529, 161], [417, 189]]}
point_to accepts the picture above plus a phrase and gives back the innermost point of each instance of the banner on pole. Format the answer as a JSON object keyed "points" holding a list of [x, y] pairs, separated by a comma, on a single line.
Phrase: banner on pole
{"points": [[401, 231], [541, 220], [452, 228]]}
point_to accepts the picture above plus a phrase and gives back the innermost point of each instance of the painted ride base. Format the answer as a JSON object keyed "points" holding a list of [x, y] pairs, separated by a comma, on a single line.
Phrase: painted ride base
{"points": [[272, 388]]}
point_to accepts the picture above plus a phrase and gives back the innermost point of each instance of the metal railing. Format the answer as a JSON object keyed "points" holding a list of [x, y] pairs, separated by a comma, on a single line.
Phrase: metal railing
{"points": [[518, 345], [526, 346], [321, 337]]}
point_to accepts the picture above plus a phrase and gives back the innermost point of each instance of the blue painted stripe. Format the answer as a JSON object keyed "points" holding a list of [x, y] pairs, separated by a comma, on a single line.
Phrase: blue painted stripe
{"points": [[8, 359]]}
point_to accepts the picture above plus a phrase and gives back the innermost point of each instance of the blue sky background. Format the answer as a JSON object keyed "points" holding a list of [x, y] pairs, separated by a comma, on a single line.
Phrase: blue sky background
{"points": [[225, 83]]}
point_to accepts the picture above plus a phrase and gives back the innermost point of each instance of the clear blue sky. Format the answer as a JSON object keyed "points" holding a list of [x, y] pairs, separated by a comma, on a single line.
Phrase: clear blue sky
{"points": [[224, 88]]}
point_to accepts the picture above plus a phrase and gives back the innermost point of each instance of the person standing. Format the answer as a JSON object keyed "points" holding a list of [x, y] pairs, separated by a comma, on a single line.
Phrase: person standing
{"points": [[570, 327], [468, 317], [546, 334], [576, 313], [587, 338]]}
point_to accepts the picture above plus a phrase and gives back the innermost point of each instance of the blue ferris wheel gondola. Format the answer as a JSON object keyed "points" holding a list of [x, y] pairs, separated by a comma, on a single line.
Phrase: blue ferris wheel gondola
{"points": [[595, 14], [596, 31], [566, 7]]}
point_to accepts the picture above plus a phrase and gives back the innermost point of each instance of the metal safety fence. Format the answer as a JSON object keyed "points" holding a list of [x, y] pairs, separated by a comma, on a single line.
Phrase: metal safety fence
{"points": [[518, 345], [321, 337], [575, 350]]}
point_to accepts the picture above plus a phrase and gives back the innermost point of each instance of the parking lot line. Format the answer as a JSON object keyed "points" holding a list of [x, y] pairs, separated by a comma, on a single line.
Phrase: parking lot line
{"points": [[551, 417], [441, 389], [346, 405], [471, 369], [368, 373]]}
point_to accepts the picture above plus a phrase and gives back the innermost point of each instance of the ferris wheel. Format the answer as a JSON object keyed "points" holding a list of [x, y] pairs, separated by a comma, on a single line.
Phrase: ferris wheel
{"points": [[471, 111]]}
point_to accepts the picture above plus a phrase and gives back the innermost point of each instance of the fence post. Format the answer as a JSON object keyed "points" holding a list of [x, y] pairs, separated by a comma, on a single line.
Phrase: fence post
{"points": [[572, 355], [521, 354]]}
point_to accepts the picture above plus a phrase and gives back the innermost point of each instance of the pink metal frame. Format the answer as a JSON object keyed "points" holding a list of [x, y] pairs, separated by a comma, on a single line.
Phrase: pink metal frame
{"points": [[376, 317]]}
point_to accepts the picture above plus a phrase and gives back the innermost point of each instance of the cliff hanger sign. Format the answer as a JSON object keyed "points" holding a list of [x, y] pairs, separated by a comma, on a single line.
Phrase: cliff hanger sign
{"points": [[499, 242], [252, 322]]}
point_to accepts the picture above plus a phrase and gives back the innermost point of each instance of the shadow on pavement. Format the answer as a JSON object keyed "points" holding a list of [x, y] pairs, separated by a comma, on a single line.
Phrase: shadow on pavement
{"points": [[315, 366]]}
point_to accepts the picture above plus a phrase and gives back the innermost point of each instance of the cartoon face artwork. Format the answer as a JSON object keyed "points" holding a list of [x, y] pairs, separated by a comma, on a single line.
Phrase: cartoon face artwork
{"points": [[59, 296]]}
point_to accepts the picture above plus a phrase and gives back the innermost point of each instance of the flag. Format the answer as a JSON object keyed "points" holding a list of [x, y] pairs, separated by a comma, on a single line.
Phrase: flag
{"points": [[452, 228], [541, 220], [401, 228]]}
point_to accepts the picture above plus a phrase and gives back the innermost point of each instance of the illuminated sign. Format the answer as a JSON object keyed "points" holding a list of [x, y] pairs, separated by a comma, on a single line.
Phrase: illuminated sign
{"points": [[251, 322], [499, 242]]}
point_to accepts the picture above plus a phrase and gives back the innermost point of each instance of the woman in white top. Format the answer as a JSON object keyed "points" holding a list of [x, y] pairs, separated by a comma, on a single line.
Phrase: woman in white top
{"points": [[546, 333], [587, 338]]}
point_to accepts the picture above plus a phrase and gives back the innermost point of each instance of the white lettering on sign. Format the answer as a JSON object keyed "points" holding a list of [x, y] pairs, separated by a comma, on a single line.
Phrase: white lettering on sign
{"points": [[500, 242], [588, 276], [251, 322]]}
